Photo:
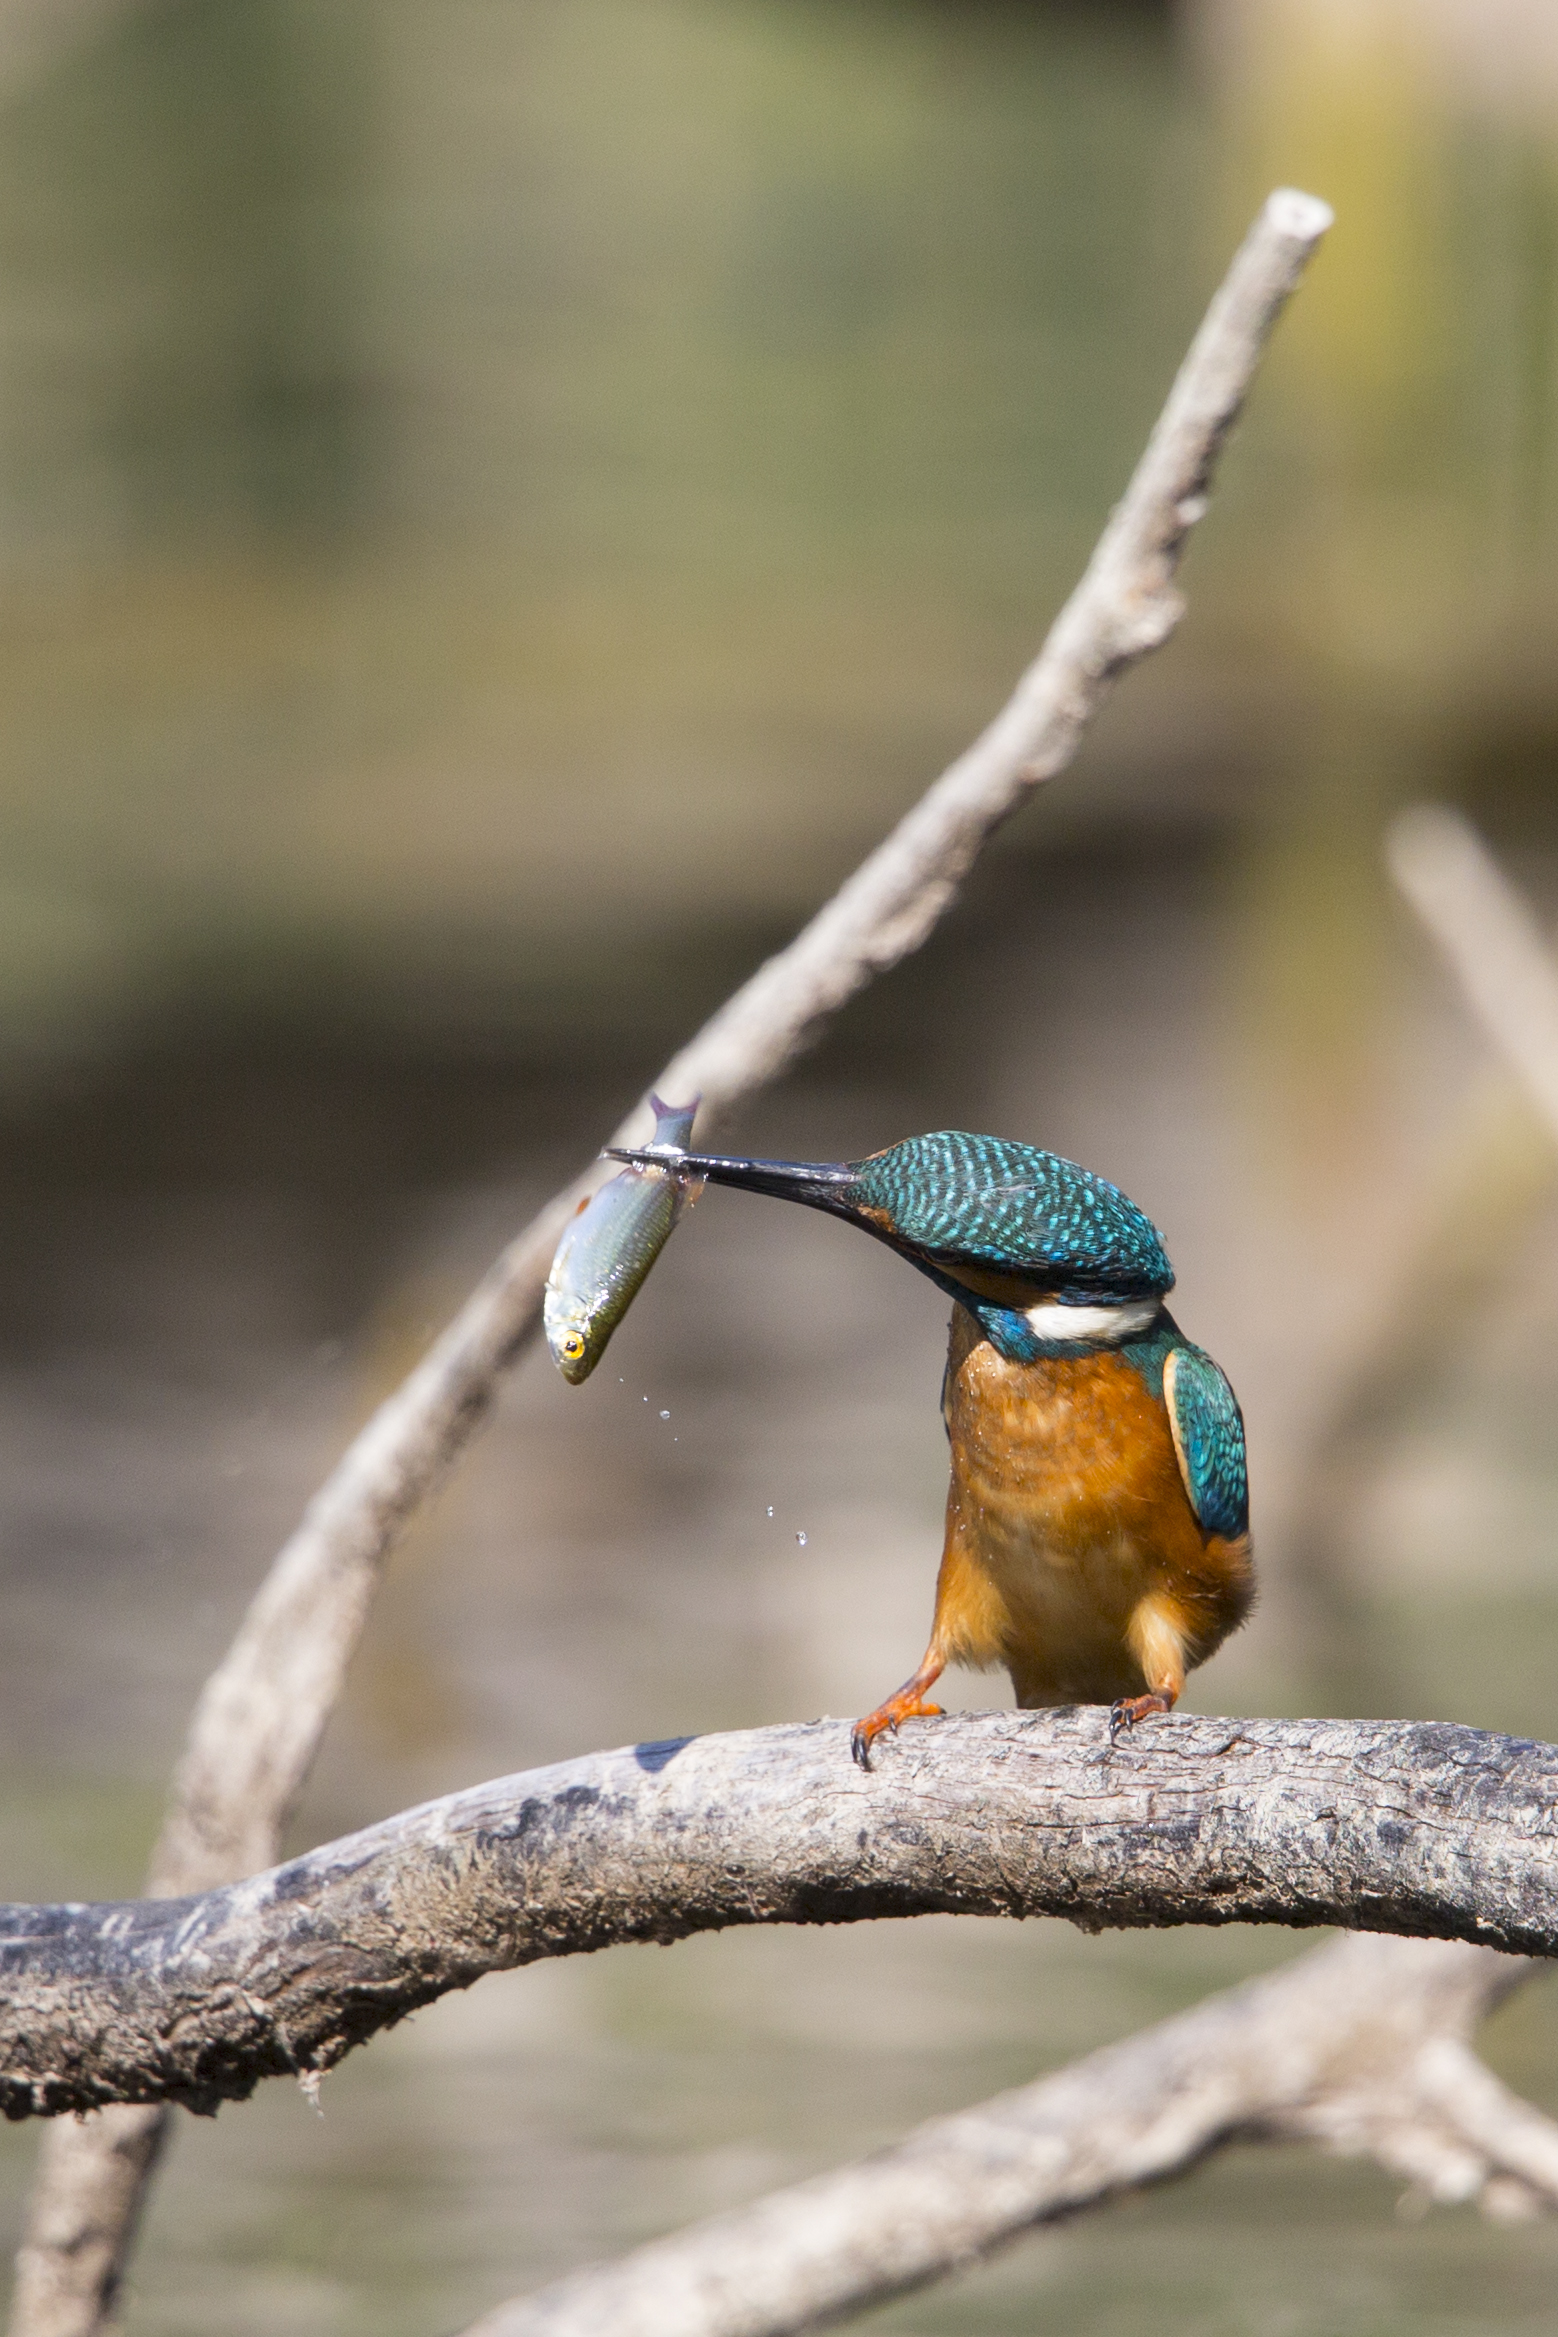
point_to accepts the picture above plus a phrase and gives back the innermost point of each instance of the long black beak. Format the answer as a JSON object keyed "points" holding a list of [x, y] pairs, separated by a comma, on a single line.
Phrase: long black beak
{"points": [[819, 1184]]}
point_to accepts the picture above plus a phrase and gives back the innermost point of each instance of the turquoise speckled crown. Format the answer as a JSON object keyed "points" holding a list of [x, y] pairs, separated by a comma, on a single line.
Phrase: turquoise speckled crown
{"points": [[983, 1200]]}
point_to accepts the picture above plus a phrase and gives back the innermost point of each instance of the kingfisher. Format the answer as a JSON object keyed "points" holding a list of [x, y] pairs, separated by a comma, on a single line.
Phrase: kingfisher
{"points": [[1097, 1530]]}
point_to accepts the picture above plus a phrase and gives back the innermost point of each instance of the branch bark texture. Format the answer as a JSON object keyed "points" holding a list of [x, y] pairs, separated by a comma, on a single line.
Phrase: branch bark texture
{"points": [[1425, 1829], [263, 1711], [1361, 2046]]}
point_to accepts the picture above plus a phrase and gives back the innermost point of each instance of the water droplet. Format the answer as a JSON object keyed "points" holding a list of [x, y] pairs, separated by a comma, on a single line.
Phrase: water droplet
{"points": [[770, 1509], [801, 1538], [665, 1415]]}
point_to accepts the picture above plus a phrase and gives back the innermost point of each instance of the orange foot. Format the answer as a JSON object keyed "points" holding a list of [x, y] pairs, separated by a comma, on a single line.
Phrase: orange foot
{"points": [[905, 1703], [1124, 1715]]}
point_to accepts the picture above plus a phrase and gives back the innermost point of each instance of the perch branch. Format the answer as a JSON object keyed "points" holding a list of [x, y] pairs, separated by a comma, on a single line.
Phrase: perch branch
{"points": [[1360, 2046], [263, 1711], [1424, 1829]]}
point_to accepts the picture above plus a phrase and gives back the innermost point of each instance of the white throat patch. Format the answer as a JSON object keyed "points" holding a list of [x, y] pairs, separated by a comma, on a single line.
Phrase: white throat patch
{"points": [[1053, 1319]]}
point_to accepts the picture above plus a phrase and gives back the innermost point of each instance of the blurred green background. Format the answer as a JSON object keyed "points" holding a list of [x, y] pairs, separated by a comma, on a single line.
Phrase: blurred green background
{"points": [[501, 501]]}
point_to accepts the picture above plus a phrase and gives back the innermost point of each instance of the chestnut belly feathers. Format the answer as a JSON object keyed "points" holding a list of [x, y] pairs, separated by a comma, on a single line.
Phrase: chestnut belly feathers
{"points": [[1073, 1555]]}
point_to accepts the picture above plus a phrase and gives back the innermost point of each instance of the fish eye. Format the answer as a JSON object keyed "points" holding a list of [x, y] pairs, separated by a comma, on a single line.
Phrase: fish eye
{"points": [[573, 1346]]}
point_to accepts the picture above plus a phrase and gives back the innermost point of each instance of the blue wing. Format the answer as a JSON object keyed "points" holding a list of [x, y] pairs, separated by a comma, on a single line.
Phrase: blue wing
{"points": [[1209, 1439]]}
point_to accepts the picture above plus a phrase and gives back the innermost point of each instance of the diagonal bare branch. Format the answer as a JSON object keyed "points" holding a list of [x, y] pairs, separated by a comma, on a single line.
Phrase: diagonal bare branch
{"points": [[261, 1715]]}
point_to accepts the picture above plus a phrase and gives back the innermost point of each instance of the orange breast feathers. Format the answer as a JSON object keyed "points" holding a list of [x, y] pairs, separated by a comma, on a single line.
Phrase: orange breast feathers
{"points": [[1073, 1555]]}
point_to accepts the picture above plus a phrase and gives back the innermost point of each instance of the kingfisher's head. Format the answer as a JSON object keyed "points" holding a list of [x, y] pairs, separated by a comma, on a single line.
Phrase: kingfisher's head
{"points": [[1049, 1257]]}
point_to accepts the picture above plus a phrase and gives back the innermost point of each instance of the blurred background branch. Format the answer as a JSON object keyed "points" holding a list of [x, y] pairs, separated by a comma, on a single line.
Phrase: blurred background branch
{"points": [[36, 35], [1359, 2046], [1494, 1177], [1502, 961]]}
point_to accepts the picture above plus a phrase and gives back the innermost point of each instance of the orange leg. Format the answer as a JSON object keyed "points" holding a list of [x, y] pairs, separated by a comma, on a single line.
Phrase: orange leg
{"points": [[968, 1626], [1127, 1710], [1156, 1639], [905, 1703]]}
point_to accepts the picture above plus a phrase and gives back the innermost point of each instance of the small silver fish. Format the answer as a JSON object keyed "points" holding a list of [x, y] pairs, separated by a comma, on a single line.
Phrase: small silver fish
{"points": [[610, 1245]]}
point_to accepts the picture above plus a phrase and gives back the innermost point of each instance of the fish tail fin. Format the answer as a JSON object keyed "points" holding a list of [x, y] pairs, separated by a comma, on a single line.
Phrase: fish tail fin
{"points": [[673, 1122]]}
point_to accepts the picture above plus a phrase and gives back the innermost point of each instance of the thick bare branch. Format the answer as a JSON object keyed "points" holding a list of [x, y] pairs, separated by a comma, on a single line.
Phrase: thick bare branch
{"points": [[260, 1718], [1384, 1826], [1361, 2046]]}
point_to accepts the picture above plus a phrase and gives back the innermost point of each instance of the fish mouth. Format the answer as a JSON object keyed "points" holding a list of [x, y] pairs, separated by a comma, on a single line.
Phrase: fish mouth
{"points": [[817, 1184]]}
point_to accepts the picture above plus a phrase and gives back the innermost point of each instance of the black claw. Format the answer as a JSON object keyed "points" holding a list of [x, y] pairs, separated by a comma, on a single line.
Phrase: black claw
{"points": [[1123, 1718], [860, 1746]]}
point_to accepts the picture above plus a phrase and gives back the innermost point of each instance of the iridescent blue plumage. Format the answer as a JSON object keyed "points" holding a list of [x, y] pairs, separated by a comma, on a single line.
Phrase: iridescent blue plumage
{"points": [[985, 1200], [1209, 1439]]}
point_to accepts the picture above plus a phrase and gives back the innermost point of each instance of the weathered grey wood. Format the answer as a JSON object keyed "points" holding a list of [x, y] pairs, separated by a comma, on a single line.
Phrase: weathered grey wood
{"points": [[1383, 1826], [1360, 2046]]}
